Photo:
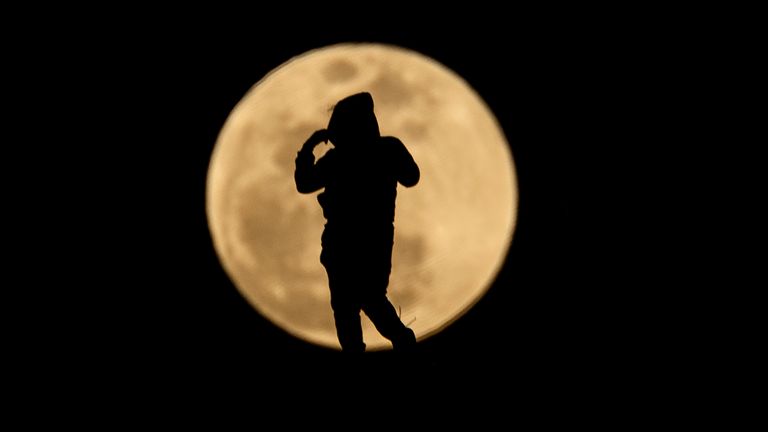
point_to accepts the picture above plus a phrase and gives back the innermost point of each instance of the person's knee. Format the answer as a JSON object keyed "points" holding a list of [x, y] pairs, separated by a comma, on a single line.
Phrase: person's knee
{"points": [[376, 302], [344, 302], [346, 315]]}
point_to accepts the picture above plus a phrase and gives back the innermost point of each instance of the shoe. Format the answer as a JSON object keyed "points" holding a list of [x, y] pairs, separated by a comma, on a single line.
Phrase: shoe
{"points": [[406, 343]]}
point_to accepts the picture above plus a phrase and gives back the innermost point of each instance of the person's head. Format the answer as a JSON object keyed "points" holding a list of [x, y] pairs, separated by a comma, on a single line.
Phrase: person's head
{"points": [[353, 120]]}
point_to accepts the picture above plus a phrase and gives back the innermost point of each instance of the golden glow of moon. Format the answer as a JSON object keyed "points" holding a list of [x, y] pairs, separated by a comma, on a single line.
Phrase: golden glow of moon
{"points": [[452, 230]]}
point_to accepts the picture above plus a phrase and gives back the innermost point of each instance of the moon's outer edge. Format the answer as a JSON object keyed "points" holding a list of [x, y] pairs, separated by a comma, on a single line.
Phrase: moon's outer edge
{"points": [[217, 236]]}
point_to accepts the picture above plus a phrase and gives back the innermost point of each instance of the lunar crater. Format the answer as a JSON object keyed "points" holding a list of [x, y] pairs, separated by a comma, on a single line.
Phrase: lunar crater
{"points": [[415, 131], [339, 71], [392, 90]]}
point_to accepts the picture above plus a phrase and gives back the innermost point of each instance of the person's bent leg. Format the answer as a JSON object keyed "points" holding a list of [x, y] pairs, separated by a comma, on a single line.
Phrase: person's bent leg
{"points": [[385, 319]]}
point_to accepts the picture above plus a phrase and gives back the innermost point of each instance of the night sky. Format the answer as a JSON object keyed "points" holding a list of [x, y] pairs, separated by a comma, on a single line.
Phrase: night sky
{"points": [[573, 302], [548, 97]]}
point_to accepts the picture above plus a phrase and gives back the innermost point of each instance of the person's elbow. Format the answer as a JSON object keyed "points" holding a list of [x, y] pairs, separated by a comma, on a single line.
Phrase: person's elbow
{"points": [[305, 187], [410, 178]]}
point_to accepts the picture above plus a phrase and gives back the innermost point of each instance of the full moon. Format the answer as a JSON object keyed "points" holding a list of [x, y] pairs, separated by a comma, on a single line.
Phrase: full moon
{"points": [[452, 230]]}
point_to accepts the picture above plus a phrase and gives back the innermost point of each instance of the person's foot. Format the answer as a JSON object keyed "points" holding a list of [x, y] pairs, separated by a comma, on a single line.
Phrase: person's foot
{"points": [[406, 343]]}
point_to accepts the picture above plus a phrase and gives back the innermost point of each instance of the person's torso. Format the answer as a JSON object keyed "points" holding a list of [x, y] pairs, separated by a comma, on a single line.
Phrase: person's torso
{"points": [[361, 186]]}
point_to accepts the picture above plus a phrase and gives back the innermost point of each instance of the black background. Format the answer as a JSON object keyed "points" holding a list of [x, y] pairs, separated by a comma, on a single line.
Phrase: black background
{"points": [[578, 100], [615, 297], [551, 94]]}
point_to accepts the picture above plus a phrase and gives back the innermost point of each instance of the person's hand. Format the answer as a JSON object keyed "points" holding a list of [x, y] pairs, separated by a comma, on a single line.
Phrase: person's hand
{"points": [[316, 138]]}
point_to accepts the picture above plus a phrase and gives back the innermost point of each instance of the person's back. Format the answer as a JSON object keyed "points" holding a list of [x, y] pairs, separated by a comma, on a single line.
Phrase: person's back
{"points": [[360, 177], [361, 184]]}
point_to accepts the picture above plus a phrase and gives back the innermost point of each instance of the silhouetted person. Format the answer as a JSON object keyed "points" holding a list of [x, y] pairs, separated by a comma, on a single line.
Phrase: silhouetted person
{"points": [[360, 176]]}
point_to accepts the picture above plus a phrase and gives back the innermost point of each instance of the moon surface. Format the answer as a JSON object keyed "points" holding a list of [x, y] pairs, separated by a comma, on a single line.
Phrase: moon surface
{"points": [[452, 230]]}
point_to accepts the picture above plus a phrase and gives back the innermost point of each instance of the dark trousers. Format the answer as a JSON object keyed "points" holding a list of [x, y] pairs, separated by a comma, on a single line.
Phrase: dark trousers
{"points": [[348, 298], [358, 276]]}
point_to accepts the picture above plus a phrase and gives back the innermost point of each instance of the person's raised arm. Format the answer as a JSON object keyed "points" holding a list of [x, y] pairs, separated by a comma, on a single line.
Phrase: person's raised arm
{"points": [[308, 175]]}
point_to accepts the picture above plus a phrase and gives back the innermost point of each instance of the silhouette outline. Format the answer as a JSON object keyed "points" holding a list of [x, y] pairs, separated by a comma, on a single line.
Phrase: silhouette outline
{"points": [[360, 176]]}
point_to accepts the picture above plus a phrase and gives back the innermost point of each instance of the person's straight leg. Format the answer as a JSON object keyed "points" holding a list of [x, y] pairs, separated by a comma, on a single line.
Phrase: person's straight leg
{"points": [[346, 312], [348, 329]]}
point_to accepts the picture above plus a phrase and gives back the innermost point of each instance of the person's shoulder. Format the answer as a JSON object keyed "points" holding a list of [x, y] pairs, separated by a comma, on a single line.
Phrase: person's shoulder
{"points": [[390, 140], [392, 143]]}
